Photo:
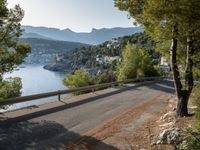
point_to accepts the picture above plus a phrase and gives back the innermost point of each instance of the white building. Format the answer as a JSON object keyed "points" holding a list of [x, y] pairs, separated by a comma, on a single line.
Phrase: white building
{"points": [[107, 59], [163, 61]]}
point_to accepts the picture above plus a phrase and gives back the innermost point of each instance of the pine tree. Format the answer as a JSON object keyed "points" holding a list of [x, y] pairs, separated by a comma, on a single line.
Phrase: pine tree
{"points": [[11, 53], [176, 22]]}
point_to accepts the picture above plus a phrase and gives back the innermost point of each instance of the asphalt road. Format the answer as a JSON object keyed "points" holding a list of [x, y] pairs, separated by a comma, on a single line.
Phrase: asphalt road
{"points": [[51, 126]]}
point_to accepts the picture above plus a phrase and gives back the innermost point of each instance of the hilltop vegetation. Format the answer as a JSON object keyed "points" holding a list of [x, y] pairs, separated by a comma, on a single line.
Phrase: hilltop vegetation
{"points": [[103, 56]]}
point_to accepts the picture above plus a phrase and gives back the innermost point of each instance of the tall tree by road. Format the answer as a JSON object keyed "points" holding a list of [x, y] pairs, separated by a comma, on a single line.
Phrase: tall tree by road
{"points": [[11, 52], [175, 25]]}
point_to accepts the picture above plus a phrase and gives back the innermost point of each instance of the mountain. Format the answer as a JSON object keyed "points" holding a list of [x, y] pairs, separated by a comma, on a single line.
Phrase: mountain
{"points": [[44, 51], [34, 35], [96, 36]]}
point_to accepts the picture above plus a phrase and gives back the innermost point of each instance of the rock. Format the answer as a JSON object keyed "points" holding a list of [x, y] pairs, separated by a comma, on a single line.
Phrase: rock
{"points": [[193, 107], [153, 143], [183, 145], [167, 124], [169, 136], [158, 142], [167, 115]]}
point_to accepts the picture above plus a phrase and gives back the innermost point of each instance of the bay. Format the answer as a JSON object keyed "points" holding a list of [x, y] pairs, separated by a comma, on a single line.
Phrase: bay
{"points": [[36, 80]]}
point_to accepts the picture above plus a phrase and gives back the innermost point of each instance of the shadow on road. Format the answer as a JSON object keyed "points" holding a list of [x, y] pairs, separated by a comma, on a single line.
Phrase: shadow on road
{"points": [[44, 135], [164, 86]]}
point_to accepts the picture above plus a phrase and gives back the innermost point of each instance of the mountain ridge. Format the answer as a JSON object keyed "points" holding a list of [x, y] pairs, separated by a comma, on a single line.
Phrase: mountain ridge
{"points": [[96, 36]]}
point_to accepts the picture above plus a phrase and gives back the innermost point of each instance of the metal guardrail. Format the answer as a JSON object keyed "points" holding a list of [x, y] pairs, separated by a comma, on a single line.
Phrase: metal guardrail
{"points": [[81, 89]]}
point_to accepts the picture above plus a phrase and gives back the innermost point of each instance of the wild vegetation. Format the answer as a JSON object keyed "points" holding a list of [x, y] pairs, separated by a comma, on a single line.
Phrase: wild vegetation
{"points": [[83, 78], [193, 135], [174, 23], [135, 61], [11, 53]]}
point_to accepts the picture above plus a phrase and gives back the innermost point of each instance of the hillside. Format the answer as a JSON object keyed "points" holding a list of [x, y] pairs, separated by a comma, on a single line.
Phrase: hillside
{"points": [[103, 56], [96, 36], [44, 51]]}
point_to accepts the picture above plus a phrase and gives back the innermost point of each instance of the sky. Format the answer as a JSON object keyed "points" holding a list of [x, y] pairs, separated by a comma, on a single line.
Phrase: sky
{"points": [[78, 15]]}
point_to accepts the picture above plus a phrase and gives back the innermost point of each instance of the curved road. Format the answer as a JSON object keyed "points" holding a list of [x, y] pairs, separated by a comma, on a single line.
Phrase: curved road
{"points": [[51, 126]]}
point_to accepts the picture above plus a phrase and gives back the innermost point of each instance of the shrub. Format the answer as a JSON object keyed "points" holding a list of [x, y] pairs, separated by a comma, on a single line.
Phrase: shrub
{"points": [[135, 63], [78, 79], [193, 135], [10, 88], [105, 77]]}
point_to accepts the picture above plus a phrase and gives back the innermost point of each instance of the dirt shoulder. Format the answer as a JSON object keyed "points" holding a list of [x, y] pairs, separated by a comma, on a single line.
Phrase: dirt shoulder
{"points": [[136, 129]]}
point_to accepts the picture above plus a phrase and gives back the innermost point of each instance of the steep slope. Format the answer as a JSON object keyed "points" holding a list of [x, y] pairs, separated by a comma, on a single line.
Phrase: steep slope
{"points": [[44, 51], [97, 57]]}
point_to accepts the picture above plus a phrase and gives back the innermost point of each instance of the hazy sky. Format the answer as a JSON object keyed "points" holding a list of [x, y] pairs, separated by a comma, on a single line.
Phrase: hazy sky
{"points": [[78, 15]]}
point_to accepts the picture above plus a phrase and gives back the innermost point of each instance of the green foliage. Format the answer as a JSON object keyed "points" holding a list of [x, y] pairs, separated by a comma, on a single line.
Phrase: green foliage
{"points": [[196, 98], [198, 117], [192, 140], [135, 63], [159, 17], [82, 78], [193, 135], [105, 77], [10, 88], [86, 56], [78, 79], [11, 53]]}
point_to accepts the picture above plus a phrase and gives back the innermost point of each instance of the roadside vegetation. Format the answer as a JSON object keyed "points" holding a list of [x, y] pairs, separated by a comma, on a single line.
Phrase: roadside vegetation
{"points": [[11, 53], [193, 135], [136, 62], [83, 78], [175, 27], [137, 58]]}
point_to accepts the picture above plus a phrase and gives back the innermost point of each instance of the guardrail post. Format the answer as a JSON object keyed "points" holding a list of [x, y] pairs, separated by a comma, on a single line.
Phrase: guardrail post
{"points": [[59, 97]]}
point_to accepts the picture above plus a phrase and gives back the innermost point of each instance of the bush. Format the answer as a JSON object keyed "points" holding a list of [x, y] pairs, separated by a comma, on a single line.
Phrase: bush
{"points": [[196, 97], [10, 88], [105, 77], [82, 78], [193, 135], [78, 79], [135, 63]]}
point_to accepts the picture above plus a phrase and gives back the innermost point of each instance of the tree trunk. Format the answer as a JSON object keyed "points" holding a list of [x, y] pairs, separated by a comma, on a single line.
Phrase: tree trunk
{"points": [[182, 109], [181, 95], [189, 83], [182, 105]]}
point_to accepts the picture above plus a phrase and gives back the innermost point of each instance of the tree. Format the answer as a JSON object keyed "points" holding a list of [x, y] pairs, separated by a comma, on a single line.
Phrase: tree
{"points": [[135, 63], [78, 79], [11, 52], [176, 22], [10, 88]]}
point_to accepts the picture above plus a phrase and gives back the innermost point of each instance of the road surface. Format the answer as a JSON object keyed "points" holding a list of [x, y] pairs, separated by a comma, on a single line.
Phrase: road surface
{"points": [[52, 126]]}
